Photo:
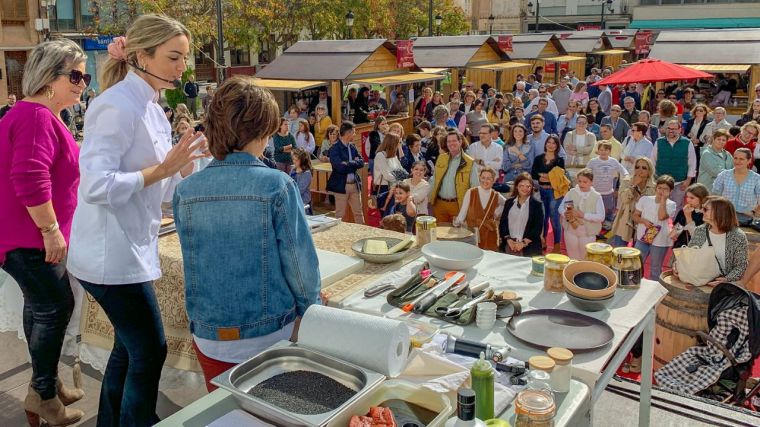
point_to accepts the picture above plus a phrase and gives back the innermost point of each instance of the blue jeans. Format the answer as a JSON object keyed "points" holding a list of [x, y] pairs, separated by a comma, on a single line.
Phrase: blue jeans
{"points": [[609, 207], [657, 253], [130, 384], [48, 304], [551, 212], [618, 242]]}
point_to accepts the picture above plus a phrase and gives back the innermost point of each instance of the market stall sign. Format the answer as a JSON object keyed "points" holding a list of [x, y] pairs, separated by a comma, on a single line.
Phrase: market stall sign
{"points": [[404, 54], [505, 43], [97, 43], [644, 40], [584, 27]]}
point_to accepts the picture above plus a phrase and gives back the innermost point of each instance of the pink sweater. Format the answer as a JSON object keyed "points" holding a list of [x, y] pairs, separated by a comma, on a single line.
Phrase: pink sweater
{"points": [[38, 163]]}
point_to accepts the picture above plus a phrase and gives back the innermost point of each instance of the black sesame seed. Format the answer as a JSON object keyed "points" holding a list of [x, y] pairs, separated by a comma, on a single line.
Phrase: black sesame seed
{"points": [[303, 392]]}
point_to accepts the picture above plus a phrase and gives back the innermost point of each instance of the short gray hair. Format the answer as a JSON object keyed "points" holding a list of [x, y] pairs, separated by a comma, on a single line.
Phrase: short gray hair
{"points": [[440, 112], [46, 63], [629, 98]]}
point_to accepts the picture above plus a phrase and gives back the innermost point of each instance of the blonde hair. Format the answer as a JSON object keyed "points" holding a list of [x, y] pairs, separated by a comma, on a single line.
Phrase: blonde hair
{"points": [[146, 34], [46, 63]]}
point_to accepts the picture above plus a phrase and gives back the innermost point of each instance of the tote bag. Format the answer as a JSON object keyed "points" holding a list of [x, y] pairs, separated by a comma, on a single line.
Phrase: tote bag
{"points": [[697, 265]]}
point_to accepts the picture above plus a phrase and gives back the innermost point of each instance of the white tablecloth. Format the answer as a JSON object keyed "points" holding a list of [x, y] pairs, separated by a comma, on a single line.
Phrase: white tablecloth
{"points": [[507, 272]]}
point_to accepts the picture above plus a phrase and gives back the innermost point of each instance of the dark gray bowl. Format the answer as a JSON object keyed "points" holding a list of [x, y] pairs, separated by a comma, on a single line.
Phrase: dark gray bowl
{"points": [[591, 280], [586, 304]]}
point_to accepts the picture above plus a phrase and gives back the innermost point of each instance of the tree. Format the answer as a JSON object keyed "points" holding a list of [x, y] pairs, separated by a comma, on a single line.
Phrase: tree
{"points": [[280, 23]]}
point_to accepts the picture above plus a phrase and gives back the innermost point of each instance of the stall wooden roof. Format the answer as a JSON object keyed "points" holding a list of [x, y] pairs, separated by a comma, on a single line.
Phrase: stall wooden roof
{"points": [[291, 85], [536, 46], [334, 60], [588, 41], [708, 47], [621, 39], [457, 51]]}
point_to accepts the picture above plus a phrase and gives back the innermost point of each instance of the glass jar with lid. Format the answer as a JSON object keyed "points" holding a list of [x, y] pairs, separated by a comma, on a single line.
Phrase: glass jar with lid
{"points": [[554, 266], [626, 262], [599, 252], [534, 406], [563, 368]]}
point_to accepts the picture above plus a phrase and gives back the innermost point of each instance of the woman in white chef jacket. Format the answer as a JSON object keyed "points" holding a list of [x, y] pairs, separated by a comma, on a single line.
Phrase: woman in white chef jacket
{"points": [[128, 167]]}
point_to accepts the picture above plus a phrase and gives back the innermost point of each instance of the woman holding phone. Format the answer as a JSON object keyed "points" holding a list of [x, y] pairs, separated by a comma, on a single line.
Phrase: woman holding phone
{"points": [[128, 167]]}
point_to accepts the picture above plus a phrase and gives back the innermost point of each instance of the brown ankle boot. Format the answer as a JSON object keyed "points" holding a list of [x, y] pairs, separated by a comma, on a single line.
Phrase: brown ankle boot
{"points": [[51, 411], [68, 395]]}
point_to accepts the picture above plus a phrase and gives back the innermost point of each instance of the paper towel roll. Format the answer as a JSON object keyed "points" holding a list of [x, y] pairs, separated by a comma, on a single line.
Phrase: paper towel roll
{"points": [[375, 343]]}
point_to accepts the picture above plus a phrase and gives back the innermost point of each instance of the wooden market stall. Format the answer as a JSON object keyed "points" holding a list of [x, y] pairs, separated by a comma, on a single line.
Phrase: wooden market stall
{"points": [[594, 46], [461, 54], [715, 51], [620, 40], [334, 63], [542, 50]]}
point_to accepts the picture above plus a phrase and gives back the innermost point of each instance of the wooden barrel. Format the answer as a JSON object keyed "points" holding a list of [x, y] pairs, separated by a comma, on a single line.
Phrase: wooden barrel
{"points": [[680, 315]]}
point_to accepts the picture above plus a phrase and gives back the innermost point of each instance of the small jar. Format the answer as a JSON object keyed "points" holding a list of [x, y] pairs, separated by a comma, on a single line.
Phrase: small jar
{"points": [[537, 266], [626, 262], [554, 266], [541, 363], [425, 227], [563, 368], [599, 252], [534, 406]]}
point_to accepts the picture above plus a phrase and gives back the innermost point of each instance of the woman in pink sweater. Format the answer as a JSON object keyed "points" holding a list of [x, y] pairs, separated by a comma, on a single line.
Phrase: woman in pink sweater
{"points": [[39, 175]]}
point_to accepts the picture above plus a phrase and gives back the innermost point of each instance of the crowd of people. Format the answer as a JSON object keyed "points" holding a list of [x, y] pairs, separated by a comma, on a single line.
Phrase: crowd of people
{"points": [[579, 161]]}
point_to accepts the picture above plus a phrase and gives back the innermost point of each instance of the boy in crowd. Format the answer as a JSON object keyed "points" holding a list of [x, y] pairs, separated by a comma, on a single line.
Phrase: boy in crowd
{"points": [[606, 171]]}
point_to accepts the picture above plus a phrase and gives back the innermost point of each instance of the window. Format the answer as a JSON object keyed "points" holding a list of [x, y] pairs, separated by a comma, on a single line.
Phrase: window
{"points": [[65, 16], [14, 10], [240, 57]]}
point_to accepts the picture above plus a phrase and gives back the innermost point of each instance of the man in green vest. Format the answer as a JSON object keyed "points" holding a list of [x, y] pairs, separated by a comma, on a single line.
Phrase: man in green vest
{"points": [[454, 174], [674, 155]]}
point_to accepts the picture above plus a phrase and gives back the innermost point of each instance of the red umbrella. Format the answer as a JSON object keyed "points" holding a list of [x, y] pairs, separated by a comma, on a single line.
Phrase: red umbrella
{"points": [[652, 70]]}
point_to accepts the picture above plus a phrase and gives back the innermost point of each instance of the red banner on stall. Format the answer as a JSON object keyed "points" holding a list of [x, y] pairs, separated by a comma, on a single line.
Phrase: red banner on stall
{"points": [[644, 40], [584, 27], [365, 144], [404, 54], [505, 43]]}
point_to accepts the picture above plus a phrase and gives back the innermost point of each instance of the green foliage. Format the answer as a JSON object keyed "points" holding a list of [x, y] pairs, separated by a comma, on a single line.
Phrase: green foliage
{"points": [[177, 96]]}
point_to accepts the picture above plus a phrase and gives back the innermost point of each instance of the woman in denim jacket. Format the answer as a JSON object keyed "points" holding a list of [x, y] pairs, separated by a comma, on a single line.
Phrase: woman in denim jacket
{"points": [[251, 269]]}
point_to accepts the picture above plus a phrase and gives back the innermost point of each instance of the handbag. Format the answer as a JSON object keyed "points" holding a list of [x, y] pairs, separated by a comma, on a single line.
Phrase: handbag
{"points": [[698, 265], [372, 201]]}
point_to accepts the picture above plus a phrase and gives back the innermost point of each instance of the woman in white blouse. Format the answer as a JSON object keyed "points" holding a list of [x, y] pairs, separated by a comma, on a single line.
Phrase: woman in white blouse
{"points": [[387, 168], [579, 144], [128, 167], [304, 138]]}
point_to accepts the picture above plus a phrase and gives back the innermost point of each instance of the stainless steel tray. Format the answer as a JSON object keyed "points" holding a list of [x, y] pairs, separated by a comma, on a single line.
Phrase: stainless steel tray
{"points": [[287, 357]]}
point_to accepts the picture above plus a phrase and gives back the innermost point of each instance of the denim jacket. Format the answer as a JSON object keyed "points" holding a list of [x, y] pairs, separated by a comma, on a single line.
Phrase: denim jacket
{"points": [[249, 259]]}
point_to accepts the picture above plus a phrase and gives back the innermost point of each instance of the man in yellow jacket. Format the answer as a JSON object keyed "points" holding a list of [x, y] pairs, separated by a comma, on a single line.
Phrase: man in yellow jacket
{"points": [[453, 175]]}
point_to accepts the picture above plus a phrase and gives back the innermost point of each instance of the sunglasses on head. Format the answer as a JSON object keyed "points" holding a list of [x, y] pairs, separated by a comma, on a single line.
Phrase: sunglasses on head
{"points": [[76, 76]]}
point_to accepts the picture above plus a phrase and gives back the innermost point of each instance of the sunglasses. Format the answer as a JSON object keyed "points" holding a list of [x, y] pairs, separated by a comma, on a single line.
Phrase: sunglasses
{"points": [[76, 76]]}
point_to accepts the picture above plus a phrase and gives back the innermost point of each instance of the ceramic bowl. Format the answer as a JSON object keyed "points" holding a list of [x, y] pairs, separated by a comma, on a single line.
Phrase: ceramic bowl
{"points": [[450, 255], [358, 246], [573, 272], [589, 304]]}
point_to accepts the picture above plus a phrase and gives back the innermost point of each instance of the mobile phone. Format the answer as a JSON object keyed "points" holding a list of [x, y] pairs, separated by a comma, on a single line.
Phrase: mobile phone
{"points": [[569, 205]]}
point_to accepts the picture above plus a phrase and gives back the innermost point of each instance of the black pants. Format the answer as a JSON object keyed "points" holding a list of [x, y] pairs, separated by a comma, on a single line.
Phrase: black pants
{"points": [[130, 384], [48, 304]]}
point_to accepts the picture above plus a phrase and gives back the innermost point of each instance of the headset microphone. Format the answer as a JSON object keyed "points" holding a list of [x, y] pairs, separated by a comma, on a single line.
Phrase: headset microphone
{"points": [[176, 82]]}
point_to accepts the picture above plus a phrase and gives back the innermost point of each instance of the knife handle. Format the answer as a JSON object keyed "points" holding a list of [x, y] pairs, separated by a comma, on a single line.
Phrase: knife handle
{"points": [[425, 303]]}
